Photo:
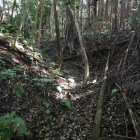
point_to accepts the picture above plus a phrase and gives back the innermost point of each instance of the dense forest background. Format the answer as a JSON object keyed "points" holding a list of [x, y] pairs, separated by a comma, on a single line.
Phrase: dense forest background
{"points": [[69, 69]]}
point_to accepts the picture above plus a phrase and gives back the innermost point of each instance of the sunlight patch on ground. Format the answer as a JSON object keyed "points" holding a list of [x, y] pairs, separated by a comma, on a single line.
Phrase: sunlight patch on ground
{"points": [[65, 84]]}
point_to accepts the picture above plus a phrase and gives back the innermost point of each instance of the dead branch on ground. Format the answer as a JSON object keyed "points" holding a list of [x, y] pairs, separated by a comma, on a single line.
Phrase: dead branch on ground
{"points": [[131, 112], [124, 59], [97, 121]]}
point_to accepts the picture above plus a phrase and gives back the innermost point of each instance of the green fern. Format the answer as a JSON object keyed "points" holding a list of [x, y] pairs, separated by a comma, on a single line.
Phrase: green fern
{"points": [[11, 124], [18, 89], [47, 110], [7, 74]]}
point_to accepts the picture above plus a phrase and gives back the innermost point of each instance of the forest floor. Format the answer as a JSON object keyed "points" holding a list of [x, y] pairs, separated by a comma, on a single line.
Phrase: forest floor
{"points": [[59, 107]]}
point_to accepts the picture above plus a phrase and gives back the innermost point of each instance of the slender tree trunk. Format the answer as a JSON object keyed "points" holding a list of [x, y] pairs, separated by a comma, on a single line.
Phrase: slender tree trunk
{"points": [[138, 39], [114, 16], [35, 28], [106, 14], [13, 7], [40, 22], [95, 8], [88, 7], [122, 15], [83, 52], [21, 23], [134, 13], [81, 18], [57, 33], [3, 16], [52, 27]]}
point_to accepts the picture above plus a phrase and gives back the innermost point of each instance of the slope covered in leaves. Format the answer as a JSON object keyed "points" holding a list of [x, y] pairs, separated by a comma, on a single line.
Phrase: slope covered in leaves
{"points": [[56, 105]]}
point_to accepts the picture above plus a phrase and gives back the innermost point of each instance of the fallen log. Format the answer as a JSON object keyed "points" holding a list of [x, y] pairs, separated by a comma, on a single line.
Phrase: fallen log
{"points": [[98, 116]]}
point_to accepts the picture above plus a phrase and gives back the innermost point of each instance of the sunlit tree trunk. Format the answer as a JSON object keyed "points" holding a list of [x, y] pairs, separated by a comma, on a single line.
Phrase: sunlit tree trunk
{"points": [[83, 52]]}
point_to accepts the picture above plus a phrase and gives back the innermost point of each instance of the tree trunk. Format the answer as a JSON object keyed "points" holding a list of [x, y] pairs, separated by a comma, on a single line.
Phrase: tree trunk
{"points": [[95, 8], [115, 8], [21, 23], [81, 18], [52, 27], [13, 7], [40, 22], [3, 14], [57, 33], [106, 14], [83, 52]]}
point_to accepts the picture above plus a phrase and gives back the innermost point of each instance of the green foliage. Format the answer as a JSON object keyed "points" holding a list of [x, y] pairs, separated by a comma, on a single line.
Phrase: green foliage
{"points": [[56, 71], [74, 3], [11, 124], [7, 74], [2, 63], [70, 2], [8, 30], [47, 110], [18, 90], [66, 102], [114, 91]]}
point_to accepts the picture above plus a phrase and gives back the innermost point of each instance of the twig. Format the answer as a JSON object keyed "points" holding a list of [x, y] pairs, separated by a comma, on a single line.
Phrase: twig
{"points": [[126, 124]]}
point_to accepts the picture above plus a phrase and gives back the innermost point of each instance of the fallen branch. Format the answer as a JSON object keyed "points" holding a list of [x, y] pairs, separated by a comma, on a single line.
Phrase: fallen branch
{"points": [[123, 42], [127, 50], [131, 113], [97, 121], [131, 138]]}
